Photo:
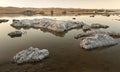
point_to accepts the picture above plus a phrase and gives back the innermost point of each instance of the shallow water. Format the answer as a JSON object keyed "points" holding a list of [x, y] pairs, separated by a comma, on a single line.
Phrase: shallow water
{"points": [[65, 52]]}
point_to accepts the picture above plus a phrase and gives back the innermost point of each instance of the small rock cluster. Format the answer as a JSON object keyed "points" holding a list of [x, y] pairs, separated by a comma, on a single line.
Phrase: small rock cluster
{"points": [[96, 39], [54, 25], [30, 55], [15, 34]]}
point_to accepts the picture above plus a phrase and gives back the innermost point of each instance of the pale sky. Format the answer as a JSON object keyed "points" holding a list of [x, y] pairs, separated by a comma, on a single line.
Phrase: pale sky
{"points": [[106, 4]]}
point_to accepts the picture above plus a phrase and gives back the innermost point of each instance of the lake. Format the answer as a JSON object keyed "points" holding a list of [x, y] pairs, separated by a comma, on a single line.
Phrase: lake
{"points": [[65, 52]]}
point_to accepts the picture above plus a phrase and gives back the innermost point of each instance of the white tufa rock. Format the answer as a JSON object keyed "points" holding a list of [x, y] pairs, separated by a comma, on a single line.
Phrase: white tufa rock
{"points": [[98, 40], [54, 25], [30, 55], [25, 22]]}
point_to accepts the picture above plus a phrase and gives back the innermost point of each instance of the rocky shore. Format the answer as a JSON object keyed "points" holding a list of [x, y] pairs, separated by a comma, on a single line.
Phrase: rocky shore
{"points": [[50, 24], [89, 39], [97, 39]]}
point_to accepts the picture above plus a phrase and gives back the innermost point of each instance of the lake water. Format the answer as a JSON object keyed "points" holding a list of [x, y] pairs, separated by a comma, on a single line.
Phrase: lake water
{"points": [[65, 52]]}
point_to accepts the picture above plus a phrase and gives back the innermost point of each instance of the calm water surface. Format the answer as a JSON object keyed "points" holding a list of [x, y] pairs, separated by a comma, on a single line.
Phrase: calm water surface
{"points": [[64, 49]]}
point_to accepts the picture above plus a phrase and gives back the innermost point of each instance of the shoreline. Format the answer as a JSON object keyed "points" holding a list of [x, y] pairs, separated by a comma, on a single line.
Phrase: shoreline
{"points": [[57, 11]]}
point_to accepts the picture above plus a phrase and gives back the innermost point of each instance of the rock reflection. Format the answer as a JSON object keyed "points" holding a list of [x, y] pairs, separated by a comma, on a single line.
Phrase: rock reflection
{"points": [[59, 34]]}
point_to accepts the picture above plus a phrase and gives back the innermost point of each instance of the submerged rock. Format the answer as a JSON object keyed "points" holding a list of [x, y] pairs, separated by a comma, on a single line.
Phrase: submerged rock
{"points": [[30, 55], [25, 23], [97, 25], [54, 25], [98, 40], [15, 34], [3, 20]]}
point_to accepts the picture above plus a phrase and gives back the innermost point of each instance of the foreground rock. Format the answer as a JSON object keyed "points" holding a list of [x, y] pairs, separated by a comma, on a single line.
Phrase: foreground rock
{"points": [[3, 20], [15, 34], [97, 25], [54, 25], [98, 40], [30, 55]]}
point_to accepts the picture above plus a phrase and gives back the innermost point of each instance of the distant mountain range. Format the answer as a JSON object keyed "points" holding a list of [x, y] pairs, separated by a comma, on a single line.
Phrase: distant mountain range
{"points": [[54, 11]]}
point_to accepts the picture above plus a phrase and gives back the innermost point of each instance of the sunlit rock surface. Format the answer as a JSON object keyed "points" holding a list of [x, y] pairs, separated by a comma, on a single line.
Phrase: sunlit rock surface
{"points": [[98, 40], [54, 25], [30, 55]]}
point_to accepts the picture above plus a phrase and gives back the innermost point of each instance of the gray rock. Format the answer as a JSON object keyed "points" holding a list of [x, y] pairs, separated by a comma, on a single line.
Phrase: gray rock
{"points": [[98, 40], [15, 34], [25, 23], [54, 25], [30, 55]]}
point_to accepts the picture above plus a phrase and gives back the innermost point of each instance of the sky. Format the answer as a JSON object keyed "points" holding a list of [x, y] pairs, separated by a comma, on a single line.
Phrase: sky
{"points": [[96, 4]]}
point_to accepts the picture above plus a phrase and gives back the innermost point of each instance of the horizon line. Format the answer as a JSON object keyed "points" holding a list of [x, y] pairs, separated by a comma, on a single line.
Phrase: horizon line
{"points": [[57, 7]]}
